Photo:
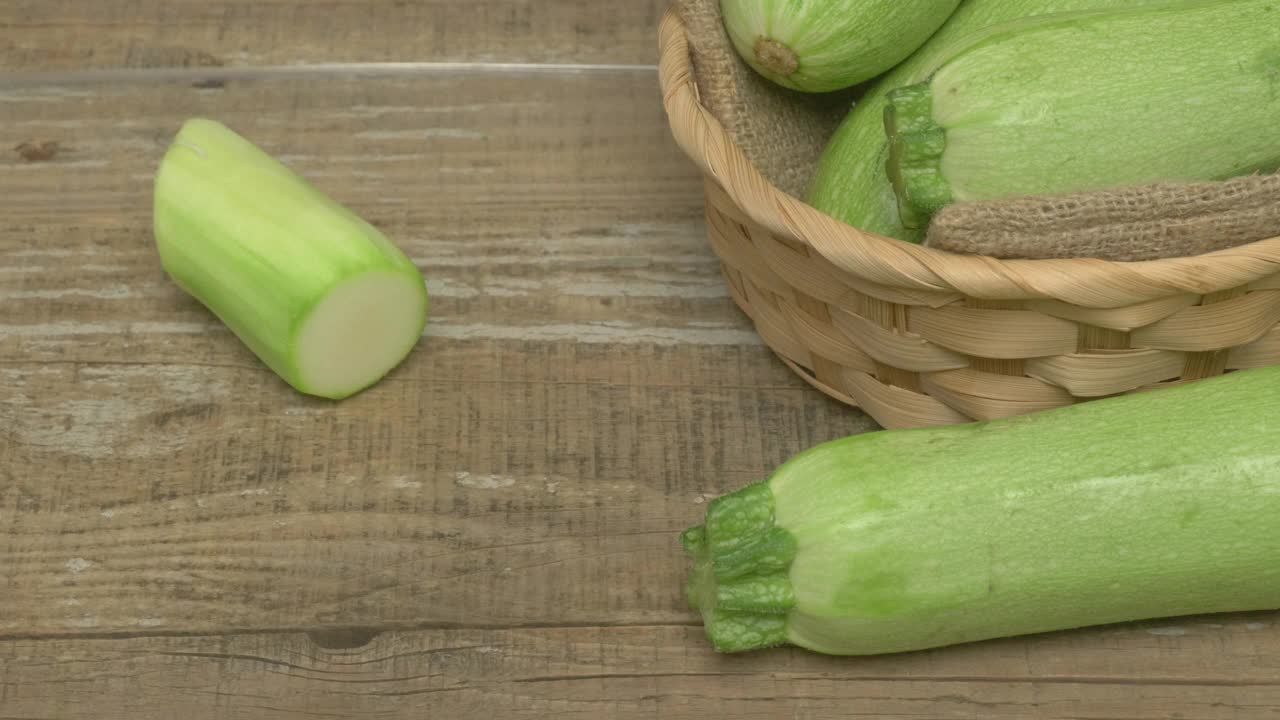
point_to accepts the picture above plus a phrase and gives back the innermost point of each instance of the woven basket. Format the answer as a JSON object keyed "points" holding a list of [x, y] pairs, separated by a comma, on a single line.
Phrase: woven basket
{"points": [[918, 337]]}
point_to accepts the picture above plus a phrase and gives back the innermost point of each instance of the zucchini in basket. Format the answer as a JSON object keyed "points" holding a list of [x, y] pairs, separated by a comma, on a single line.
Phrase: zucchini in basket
{"points": [[1141, 506], [1086, 101], [823, 45], [851, 182]]}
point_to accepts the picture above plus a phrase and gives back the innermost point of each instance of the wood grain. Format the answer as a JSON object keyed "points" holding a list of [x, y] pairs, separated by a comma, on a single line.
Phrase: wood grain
{"points": [[584, 385], [491, 530], [1208, 668], [39, 35]]}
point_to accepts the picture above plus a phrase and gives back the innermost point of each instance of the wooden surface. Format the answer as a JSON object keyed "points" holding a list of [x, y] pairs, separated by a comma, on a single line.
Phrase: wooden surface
{"points": [[492, 528]]}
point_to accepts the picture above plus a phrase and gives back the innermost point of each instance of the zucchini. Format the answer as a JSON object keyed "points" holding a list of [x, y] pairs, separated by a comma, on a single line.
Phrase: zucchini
{"points": [[850, 182], [1141, 506], [1086, 101], [824, 45], [322, 297]]}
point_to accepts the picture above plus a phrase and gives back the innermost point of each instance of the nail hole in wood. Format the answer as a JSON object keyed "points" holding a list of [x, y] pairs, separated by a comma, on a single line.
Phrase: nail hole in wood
{"points": [[342, 638]]}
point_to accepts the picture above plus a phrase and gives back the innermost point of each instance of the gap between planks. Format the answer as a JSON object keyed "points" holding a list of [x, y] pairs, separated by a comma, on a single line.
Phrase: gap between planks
{"points": [[372, 630], [75, 78], [451, 382], [805, 666]]}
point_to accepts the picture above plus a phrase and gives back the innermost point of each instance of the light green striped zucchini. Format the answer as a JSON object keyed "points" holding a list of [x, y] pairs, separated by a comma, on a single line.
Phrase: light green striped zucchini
{"points": [[1184, 92], [823, 45], [1142, 506], [322, 297], [850, 182]]}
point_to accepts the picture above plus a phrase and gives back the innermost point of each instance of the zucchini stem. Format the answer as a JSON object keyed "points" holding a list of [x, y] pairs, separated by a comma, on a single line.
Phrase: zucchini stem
{"points": [[740, 578], [916, 144]]}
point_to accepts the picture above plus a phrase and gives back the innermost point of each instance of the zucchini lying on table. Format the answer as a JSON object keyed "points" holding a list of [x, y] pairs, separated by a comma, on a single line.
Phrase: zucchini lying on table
{"points": [[1084, 101], [322, 297], [1143, 506]]}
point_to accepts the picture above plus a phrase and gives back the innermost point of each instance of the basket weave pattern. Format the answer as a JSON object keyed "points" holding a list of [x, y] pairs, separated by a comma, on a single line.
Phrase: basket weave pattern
{"points": [[918, 337]]}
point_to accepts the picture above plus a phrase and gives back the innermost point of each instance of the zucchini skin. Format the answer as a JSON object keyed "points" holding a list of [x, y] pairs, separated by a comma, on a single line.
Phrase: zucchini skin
{"points": [[1153, 505], [1085, 101], [825, 45], [850, 182]]}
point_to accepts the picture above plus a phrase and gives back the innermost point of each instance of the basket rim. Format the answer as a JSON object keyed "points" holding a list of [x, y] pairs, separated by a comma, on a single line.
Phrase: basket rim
{"points": [[1085, 282]]}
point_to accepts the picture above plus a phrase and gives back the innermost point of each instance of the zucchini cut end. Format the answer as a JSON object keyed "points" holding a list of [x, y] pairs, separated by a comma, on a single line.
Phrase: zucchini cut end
{"points": [[359, 332]]}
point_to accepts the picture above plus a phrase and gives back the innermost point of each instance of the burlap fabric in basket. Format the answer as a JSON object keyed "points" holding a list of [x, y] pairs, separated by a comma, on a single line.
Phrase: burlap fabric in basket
{"points": [[917, 336], [1130, 223], [781, 130]]}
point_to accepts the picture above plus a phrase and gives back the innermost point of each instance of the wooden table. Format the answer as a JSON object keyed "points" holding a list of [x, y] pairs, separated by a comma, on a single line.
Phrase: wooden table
{"points": [[491, 531]]}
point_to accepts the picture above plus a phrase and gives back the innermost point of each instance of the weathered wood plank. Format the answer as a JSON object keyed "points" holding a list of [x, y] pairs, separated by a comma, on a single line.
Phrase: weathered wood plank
{"points": [[432, 148], [199, 498], [38, 35], [1212, 668], [554, 202], [585, 382]]}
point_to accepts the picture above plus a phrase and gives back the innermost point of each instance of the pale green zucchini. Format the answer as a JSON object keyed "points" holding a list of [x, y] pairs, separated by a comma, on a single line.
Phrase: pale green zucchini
{"points": [[1143, 506], [1182, 92], [824, 45], [850, 182], [322, 297]]}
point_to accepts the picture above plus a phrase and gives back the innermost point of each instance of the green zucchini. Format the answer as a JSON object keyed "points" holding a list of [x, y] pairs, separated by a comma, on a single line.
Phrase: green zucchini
{"points": [[850, 182], [322, 297], [1141, 506], [824, 45], [1084, 101]]}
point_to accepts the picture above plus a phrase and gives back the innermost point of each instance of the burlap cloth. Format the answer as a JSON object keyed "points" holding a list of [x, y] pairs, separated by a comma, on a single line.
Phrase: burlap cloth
{"points": [[784, 132], [781, 130]]}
